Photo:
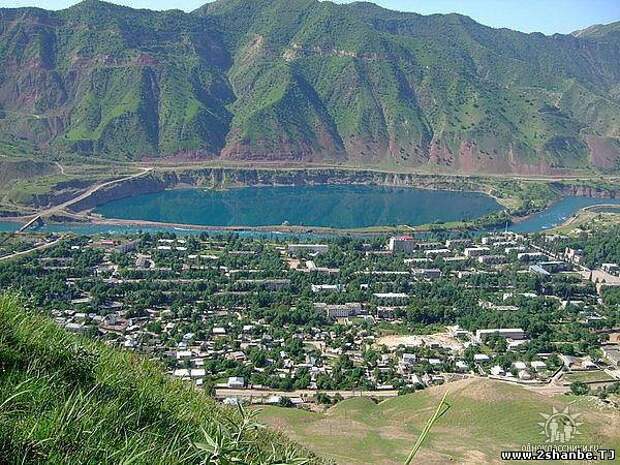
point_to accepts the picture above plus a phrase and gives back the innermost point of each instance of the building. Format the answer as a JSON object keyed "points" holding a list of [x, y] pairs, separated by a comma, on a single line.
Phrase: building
{"points": [[517, 249], [219, 331], [461, 366], [612, 353], [401, 244], [391, 296], [509, 333], [538, 270], [553, 266], [340, 311], [497, 371], [437, 252], [452, 243], [472, 252], [317, 249], [408, 360], [127, 247], [491, 259], [426, 273], [316, 288], [236, 382], [611, 268], [573, 255], [267, 284]]}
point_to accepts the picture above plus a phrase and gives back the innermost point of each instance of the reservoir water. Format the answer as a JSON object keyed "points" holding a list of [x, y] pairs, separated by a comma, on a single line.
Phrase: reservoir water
{"points": [[558, 213], [335, 206], [346, 206]]}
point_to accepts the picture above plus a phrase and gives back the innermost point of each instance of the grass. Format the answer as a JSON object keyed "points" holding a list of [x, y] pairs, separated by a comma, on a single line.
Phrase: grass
{"points": [[485, 417], [586, 218], [587, 376], [68, 400]]}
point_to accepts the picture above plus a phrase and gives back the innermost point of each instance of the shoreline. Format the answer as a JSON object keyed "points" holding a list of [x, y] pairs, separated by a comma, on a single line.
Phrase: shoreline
{"points": [[150, 181], [275, 229], [90, 219]]}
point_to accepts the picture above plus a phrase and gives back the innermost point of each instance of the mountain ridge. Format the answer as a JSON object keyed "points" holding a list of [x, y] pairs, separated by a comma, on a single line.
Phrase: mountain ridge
{"points": [[309, 81]]}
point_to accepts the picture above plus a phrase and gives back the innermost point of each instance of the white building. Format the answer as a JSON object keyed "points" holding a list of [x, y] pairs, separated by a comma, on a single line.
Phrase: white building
{"points": [[236, 382], [316, 288], [491, 259], [472, 252], [391, 296], [340, 311], [401, 244]]}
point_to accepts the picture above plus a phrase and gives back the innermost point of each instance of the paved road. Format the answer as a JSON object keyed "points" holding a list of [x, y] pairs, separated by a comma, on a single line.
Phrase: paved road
{"points": [[91, 191]]}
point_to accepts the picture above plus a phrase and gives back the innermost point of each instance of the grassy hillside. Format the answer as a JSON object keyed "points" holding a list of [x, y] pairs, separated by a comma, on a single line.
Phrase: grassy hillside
{"points": [[67, 400], [485, 418], [309, 81], [100, 78]]}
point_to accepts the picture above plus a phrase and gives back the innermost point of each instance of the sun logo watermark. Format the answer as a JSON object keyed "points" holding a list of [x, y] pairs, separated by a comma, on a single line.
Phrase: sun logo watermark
{"points": [[560, 426]]}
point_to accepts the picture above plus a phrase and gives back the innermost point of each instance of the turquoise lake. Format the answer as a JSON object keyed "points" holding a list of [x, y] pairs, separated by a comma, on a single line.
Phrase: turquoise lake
{"points": [[337, 206], [350, 206], [558, 213]]}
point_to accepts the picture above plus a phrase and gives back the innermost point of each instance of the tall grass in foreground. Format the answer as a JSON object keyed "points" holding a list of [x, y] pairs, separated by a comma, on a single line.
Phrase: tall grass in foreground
{"points": [[442, 408], [68, 400]]}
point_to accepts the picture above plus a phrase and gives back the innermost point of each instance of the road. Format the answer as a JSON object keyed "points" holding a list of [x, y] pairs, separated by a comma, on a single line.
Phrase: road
{"points": [[90, 191], [34, 249], [60, 167], [267, 165], [56, 209], [222, 393]]}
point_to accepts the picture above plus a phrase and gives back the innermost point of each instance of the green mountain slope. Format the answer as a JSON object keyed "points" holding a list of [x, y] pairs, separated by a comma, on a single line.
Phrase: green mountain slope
{"points": [[310, 81], [100, 78], [68, 400]]}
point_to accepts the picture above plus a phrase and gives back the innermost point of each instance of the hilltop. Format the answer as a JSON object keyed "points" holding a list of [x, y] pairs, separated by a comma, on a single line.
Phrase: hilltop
{"points": [[311, 82], [485, 418], [68, 400]]}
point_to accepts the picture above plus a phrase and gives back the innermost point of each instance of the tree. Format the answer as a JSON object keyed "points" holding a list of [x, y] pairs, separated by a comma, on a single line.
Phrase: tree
{"points": [[579, 388], [285, 402]]}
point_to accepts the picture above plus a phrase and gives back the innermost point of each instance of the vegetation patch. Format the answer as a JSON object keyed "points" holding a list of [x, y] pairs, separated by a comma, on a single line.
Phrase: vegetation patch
{"points": [[67, 400]]}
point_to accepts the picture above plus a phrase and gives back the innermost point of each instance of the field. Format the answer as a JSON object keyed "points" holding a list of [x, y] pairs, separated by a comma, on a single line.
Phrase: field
{"points": [[485, 418], [587, 376]]}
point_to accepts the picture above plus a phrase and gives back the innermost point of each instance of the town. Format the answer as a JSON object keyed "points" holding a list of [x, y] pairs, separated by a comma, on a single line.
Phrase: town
{"points": [[313, 320]]}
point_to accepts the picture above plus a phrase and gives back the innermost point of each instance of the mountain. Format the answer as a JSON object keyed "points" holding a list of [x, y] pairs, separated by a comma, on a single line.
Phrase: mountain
{"points": [[601, 32], [309, 81]]}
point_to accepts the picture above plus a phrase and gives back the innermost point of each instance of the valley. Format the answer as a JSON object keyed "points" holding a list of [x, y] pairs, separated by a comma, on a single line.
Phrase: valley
{"points": [[308, 232]]}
